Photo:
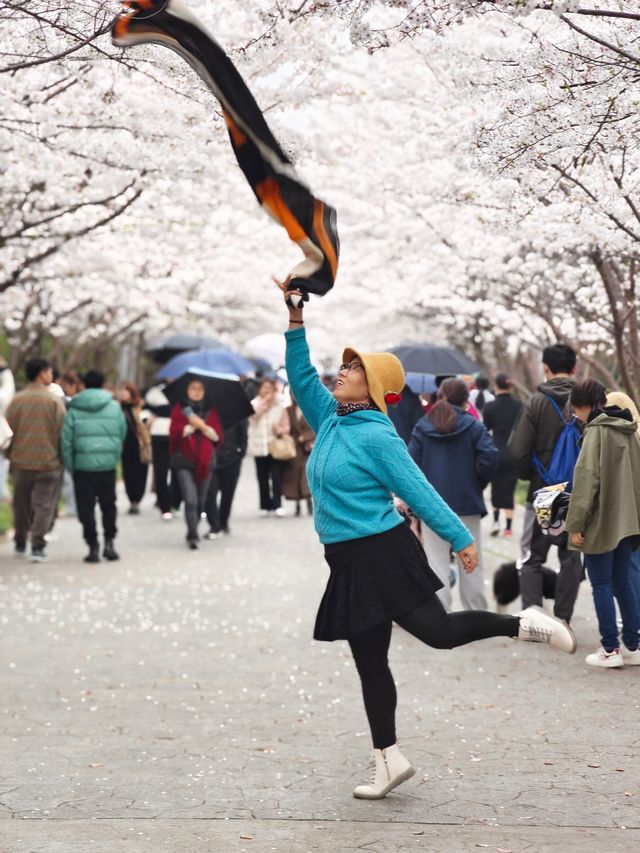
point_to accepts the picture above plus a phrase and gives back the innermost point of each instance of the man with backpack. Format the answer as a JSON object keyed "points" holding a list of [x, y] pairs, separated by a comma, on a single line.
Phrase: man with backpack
{"points": [[544, 445]]}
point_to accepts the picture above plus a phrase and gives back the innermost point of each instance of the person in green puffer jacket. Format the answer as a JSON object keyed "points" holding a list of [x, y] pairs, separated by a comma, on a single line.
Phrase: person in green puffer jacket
{"points": [[92, 435]]}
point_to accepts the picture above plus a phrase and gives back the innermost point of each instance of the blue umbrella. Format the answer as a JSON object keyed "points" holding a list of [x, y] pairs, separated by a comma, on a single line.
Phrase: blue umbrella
{"points": [[421, 383], [217, 361]]}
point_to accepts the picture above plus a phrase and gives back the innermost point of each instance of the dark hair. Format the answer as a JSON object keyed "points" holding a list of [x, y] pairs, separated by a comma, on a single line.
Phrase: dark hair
{"points": [[134, 392], [503, 382], [482, 384], [453, 392], [34, 368], [590, 393], [559, 358], [93, 379], [70, 377]]}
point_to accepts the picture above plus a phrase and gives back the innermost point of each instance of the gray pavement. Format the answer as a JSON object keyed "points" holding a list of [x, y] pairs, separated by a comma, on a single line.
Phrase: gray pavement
{"points": [[175, 701]]}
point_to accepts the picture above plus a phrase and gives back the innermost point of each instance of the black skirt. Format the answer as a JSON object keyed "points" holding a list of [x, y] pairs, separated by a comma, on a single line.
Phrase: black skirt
{"points": [[373, 580]]}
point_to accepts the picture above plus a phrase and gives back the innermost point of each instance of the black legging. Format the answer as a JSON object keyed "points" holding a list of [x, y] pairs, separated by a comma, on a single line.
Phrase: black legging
{"points": [[431, 624]]}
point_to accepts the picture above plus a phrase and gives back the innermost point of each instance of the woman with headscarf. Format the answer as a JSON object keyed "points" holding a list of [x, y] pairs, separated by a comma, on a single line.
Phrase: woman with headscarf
{"points": [[194, 434], [136, 449], [603, 520], [379, 572], [458, 457]]}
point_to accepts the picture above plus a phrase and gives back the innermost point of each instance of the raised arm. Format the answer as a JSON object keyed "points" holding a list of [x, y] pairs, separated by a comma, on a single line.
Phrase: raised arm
{"points": [[316, 401]]}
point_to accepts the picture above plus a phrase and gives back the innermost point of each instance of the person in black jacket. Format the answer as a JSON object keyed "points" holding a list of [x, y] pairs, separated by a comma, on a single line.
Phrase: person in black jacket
{"points": [[458, 458], [537, 431], [226, 473], [499, 416]]}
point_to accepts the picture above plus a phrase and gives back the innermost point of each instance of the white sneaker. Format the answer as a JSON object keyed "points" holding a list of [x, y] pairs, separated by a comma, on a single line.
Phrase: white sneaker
{"points": [[630, 658], [536, 626], [390, 768], [167, 516], [495, 528], [281, 512], [264, 513], [606, 659], [212, 535]]}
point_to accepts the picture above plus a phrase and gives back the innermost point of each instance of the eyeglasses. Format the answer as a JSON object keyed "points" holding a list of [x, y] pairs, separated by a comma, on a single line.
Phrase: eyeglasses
{"points": [[348, 366]]}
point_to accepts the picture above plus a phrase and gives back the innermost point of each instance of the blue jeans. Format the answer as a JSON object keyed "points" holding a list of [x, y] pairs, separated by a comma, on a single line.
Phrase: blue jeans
{"points": [[634, 571], [609, 575]]}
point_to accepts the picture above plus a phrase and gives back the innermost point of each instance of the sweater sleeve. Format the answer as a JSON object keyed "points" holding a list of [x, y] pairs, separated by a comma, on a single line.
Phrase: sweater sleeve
{"points": [[392, 466], [316, 401], [586, 484]]}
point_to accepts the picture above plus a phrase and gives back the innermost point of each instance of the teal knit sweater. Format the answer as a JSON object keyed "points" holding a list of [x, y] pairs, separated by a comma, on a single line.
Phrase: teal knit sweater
{"points": [[357, 462]]}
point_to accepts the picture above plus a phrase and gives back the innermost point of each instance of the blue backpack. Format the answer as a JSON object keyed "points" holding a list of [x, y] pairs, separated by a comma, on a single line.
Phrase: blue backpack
{"points": [[565, 453]]}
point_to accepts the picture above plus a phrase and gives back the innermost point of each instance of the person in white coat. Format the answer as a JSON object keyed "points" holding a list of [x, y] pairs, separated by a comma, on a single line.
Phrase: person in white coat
{"points": [[269, 421]]}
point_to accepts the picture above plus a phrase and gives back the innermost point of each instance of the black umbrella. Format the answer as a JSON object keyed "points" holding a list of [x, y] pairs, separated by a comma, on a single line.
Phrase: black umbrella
{"points": [[165, 348], [222, 393], [428, 358]]}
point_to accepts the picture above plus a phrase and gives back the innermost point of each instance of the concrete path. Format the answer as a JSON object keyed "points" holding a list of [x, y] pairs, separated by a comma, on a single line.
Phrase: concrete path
{"points": [[175, 701]]}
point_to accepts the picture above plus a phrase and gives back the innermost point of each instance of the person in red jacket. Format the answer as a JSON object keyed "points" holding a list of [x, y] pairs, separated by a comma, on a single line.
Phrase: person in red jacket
{"points": [[194, 434]]}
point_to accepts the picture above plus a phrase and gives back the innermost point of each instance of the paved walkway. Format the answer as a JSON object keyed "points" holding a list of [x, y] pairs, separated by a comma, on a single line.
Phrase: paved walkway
{"points": [[175, 701]]}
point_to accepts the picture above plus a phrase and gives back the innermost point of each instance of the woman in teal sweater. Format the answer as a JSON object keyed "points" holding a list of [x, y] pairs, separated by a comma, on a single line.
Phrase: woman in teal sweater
{"points": [[379, 572]]}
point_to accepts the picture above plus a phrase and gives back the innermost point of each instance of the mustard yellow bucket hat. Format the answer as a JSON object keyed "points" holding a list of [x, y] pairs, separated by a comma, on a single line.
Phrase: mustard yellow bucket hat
{"points": [[385, 375]]}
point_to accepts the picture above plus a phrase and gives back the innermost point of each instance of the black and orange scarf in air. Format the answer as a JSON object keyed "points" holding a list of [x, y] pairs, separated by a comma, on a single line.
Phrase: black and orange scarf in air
{"points": [[309, 222]]}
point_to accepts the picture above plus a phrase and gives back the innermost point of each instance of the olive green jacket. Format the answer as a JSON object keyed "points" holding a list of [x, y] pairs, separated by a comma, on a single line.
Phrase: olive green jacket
{"points": [[605, 500]]}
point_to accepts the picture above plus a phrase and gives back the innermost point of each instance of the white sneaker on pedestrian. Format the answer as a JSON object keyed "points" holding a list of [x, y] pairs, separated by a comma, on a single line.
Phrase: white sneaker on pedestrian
{"points": [[606, 659], [264, 513], [389, 769], [167, 516], [212, 535], [281, 512], [536, 626], [630, 658], [495, 528]]}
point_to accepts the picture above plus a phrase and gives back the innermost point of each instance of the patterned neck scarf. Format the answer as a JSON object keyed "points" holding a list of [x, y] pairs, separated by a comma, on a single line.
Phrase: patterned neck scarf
{"points": [[348, 408]]}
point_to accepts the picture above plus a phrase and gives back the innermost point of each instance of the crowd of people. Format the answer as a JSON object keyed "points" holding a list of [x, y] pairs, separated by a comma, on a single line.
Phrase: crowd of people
{"points": [[71, 437]]}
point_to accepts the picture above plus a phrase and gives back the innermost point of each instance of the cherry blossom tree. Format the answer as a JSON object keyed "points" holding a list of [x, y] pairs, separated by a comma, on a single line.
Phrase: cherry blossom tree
{"points": [[482, 158]]}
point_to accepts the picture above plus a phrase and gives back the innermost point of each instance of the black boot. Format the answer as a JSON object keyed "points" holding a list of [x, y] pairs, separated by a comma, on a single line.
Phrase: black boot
{"points": [[310, 506], [94, 554], [109, 552], [297, 508]]}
